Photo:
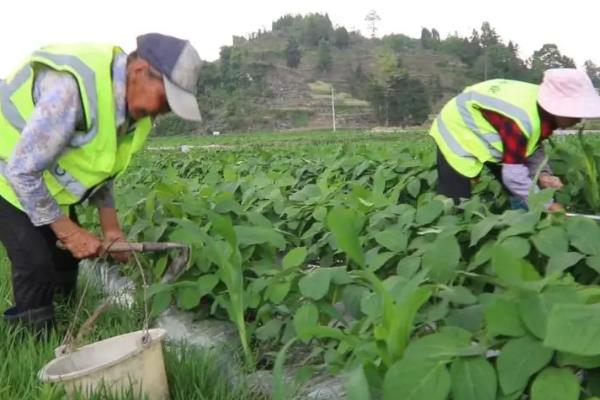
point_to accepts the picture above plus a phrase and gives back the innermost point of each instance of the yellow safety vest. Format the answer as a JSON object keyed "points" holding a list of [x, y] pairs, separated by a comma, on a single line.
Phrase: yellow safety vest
{"points": [[95, 154], [467, 139]]}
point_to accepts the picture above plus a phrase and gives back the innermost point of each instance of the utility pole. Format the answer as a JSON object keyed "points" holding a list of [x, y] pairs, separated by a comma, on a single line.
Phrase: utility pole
{"points": [[333, 107]]}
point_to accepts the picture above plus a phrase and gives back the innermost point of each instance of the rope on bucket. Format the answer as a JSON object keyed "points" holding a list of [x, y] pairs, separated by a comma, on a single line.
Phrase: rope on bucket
{"points": [[70, 340]]}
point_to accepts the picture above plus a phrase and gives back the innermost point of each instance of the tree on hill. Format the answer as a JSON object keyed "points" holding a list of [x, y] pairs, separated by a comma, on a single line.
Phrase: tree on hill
{"points": [[284, 23], [359, 82], [426, 38], [341, 38], [467, 50], [324, 56], [435, 89], [409, 102], [293, 53], [387, 69], [594, 72], [430, 39], [402, 101], [372, 19], [500, 61], [548, 57], [316, 27], [489, 37]]}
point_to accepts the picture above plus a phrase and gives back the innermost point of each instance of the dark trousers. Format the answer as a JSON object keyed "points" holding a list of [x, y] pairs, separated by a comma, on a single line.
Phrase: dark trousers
{"points": [[456, 186], [39, 268]]}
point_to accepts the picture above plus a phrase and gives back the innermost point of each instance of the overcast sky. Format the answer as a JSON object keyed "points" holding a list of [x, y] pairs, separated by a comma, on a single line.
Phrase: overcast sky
{"points": [[28, 24]]}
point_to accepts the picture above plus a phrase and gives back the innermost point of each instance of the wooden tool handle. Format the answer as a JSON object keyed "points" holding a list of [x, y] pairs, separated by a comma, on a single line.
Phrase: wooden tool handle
{"points": [[117, 247]]}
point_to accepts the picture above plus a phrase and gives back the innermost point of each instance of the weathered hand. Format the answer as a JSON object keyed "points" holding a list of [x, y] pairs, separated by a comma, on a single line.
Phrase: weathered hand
{"points": [[550, 181], [114, 236], [80, 242], [555, 207]]}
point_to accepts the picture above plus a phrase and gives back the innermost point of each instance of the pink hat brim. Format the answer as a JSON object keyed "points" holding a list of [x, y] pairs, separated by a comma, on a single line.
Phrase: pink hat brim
{"points": [[586, 106]]}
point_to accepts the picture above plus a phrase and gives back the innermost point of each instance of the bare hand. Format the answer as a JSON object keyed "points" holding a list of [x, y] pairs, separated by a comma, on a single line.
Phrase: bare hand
{"points": [[114, 236], [550, 181], [555, 207], [80, 242]]}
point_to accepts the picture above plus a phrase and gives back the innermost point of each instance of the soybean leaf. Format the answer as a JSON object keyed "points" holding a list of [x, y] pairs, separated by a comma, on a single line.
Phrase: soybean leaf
{"points": [[519, 360], [416, 380], [188, 297], [574, 328], [357, 385], [306, 317], [270, 330], [442, 346], [429, 212], [584, 235], [561, 261], [555, 384], [568, 359], [441, 258], [294, 257], [408, 267], [394, 239], [537, 201], [551, 241], [535, 308], [594, 263], [315, 284], [502, 318], [345, 227], [514, 271], [483, 255], [482, 228], [376, 261], [468, 318], [277, 292], [473, 378], [160, 266], [518, 246], [459, 295], [414, 187], [524, 224], [250, 235], [160, 302]]}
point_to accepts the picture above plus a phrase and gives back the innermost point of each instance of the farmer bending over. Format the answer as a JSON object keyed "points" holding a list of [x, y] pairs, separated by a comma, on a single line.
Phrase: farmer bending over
{"points": [[500, 124], [71, 118]]}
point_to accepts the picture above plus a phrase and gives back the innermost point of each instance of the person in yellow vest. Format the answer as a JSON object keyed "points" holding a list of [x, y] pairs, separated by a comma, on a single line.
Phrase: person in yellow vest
{"points": [[500, 123], [71, 117]]}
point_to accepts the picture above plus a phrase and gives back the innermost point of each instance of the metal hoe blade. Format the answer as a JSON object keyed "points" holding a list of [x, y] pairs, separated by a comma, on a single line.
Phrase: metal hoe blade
{"points": [[588, 216]]}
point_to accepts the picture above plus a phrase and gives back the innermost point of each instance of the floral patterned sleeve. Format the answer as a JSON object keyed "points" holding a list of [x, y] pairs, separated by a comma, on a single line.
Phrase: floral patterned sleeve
{"points": [[45, 137]]}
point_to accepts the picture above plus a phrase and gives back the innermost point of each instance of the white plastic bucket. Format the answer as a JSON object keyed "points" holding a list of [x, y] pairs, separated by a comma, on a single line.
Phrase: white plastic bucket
{"points": [[120, 363]]}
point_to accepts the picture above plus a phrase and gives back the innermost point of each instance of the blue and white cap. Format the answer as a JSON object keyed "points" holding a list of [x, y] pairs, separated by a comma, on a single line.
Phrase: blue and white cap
{"points": [[179, 63]]}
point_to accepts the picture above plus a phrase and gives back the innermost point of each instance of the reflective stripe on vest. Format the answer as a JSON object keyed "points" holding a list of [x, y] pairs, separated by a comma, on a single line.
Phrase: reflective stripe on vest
{"points": [[95, 154], [12, 114], [450, 141], [516, 113], [89, 83], [76, 188], [10, 111], [468, 140], [487, 139]]}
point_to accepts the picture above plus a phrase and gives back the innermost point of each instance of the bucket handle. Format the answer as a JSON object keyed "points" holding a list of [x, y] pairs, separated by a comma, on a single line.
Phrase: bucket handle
{"points": [[70, 340]]}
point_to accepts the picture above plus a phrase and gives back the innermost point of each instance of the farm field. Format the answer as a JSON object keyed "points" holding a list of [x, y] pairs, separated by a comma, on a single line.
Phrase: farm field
{"points": [[332, 251]]}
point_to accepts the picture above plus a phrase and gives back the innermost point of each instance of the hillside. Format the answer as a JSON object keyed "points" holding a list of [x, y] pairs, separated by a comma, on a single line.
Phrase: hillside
{"points": [[306, 88], [257, 85]]}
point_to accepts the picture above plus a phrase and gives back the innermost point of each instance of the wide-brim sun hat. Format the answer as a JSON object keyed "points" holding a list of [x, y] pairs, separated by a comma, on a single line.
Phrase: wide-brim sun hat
{"points": [[569, 92]]}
